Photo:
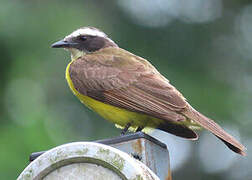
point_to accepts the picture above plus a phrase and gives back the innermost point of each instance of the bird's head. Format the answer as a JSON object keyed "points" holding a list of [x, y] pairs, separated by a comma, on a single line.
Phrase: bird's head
{"points": [[84, 40]]}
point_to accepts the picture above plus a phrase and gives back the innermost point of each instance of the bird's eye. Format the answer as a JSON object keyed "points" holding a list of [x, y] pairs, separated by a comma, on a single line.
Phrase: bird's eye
{"points": [[83, 38]]}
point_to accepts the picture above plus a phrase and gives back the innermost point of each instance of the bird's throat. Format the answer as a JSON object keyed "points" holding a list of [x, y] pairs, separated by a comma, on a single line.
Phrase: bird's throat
{"points": [[75, 53]]}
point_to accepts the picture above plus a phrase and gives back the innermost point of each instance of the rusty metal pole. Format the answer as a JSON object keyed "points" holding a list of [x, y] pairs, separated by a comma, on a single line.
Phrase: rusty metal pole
{"points": [[153, 153]]}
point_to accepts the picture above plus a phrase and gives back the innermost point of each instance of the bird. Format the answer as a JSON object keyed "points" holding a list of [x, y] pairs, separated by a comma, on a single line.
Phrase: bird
{"points": [[129, 91]]}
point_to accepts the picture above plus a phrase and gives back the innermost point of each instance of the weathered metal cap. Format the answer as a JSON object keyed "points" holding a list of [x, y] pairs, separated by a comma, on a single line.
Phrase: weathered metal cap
{"points": [[86, 159]]}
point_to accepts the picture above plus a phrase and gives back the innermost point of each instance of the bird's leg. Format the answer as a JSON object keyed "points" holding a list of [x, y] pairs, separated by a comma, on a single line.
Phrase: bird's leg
{"points": [[139, 128], [125, 129]]}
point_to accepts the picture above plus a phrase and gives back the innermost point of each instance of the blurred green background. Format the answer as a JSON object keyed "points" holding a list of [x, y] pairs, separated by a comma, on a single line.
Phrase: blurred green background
{"points": [[203, 47]]}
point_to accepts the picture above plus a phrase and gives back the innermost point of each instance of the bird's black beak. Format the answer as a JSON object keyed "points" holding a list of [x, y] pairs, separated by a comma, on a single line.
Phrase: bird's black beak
{"points": [[63, 44]]}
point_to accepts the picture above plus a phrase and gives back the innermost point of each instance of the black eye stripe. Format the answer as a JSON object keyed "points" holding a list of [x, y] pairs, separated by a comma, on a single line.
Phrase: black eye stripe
{"points": [[83, 38]]}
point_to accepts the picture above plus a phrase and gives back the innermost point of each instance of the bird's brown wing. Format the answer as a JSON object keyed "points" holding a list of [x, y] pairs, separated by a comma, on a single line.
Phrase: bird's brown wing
{"points": [[128, 82]]}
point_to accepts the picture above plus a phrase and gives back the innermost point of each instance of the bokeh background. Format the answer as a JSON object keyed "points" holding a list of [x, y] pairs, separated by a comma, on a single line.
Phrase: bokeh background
{"points": [[204, 47]]}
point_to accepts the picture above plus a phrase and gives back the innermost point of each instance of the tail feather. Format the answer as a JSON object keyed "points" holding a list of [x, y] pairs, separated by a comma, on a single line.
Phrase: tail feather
{"points": [[214, 128], [178, 130]]}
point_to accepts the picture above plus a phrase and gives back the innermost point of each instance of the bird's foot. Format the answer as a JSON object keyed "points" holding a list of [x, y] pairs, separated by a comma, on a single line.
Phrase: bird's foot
{"points": [[139, 128], [125, 129]]}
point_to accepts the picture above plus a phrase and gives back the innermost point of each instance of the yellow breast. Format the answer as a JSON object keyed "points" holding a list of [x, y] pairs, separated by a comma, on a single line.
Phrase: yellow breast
{"points": [[114, 114]]}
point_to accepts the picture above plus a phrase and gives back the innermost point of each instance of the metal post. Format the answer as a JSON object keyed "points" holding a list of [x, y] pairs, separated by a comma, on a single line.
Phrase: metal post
{"points": [[148, 150]]}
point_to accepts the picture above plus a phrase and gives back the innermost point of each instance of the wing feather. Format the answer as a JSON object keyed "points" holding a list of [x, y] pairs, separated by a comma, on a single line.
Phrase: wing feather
{"points": [[127, 81]]}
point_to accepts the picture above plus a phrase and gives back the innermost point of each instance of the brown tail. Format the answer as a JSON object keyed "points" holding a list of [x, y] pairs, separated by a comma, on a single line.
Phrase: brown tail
{"points": [[210, 125]]}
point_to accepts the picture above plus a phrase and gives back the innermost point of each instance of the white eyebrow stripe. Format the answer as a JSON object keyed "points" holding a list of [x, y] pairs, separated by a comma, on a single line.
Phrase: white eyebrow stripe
{"points": [[87, 31]]}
